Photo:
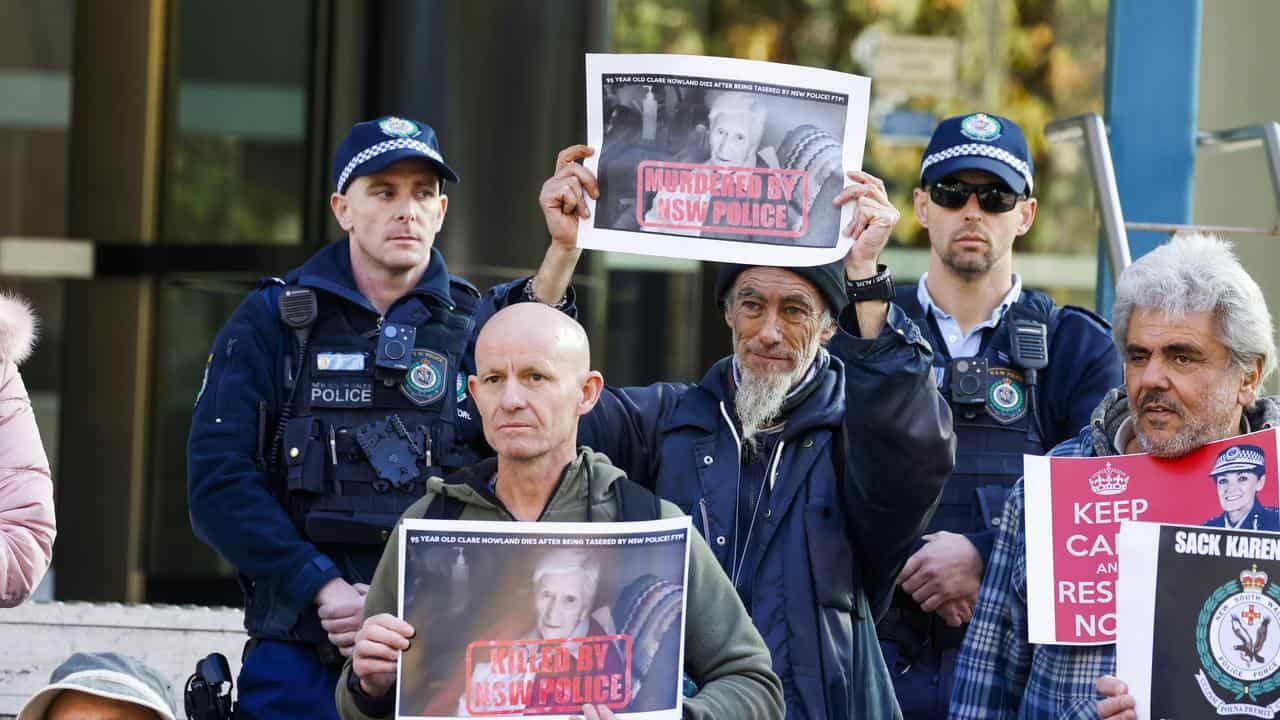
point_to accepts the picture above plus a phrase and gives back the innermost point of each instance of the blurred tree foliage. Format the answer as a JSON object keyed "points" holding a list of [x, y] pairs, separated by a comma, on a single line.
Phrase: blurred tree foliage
{"points": [[1031, 60], [224, 190]]}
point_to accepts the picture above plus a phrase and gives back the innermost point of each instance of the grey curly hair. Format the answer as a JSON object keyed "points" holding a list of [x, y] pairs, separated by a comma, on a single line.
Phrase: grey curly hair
{"points": [[1197, 272]]}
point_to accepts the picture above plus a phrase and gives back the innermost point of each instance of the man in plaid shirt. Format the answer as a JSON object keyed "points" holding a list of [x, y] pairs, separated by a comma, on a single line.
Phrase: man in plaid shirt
{"points": [[1195, 334]]}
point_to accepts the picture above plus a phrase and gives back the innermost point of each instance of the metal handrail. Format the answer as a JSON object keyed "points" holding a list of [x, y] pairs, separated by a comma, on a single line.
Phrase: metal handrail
{"points": [[1090, 129], [1243, 138]]}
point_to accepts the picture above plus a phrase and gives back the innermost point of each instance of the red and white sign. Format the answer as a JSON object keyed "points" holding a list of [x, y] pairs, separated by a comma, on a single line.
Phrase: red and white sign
{"points": [[1074, 507]]}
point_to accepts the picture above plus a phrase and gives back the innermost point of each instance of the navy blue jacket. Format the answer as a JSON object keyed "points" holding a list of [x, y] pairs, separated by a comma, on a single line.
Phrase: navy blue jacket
{"points": [[1083, 366], [235, 507], [865, 457]]}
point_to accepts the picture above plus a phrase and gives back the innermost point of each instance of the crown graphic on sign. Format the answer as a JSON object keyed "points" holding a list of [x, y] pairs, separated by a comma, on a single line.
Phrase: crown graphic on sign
{"points": [[1253, 579], [1108, 481]]}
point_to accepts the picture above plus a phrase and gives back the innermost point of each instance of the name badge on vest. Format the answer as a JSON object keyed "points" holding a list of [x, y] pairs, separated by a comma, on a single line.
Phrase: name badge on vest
{"points": [[1006, 396], [339, 362], [353, 393], [424, 382]]}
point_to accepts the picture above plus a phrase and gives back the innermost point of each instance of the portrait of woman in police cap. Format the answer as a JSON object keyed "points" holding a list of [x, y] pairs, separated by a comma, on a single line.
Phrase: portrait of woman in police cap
{"points": [[1239, 473]]}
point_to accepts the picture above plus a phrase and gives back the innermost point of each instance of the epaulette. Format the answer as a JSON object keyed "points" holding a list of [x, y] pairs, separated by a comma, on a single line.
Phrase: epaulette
{"points": [[1102, 322], [456, 281]]}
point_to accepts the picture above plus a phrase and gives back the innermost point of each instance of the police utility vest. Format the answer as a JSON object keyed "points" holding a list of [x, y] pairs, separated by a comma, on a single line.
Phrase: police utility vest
{"points": [[993, 435], [362, 440]]}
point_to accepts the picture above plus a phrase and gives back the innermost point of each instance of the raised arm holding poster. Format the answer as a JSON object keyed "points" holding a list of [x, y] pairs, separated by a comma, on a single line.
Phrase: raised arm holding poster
{"points": [[1075, 507], [719, 159], [540, 618], [1199, 616]]}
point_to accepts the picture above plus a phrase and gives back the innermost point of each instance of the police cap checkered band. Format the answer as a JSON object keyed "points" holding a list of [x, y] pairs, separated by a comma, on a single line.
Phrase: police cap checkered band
{"points": [[979, 150], [1240, 458], [979, 141], [376, 144], [382, 148]]}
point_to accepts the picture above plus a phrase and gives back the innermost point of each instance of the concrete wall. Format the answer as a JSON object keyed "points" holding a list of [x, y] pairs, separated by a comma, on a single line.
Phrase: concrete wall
{"points": [[37, 637], [1239, 58]]}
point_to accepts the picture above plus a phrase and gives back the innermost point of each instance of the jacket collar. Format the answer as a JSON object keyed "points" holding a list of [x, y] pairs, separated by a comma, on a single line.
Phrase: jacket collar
{"points": [[700, 408], [588, 473], [330, 270], [1113, 411]]}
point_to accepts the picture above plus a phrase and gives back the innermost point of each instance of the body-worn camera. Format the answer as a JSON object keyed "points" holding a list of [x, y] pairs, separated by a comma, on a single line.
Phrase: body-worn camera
{"points": [[395, 346], [969, 381]]}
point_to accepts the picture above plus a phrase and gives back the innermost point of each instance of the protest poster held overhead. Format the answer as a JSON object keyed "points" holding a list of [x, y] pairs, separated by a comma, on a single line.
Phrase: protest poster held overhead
{"points": [[1075, 507], [523, 619], [1199, 619], [719, 159]]}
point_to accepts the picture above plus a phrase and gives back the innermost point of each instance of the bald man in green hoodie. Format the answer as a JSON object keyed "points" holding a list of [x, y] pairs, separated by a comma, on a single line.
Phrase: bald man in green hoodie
{"points": [[533, 380]]}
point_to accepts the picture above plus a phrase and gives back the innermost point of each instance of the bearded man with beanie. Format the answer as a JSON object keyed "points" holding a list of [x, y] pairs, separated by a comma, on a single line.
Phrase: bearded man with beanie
{"points": [[810, 458]]}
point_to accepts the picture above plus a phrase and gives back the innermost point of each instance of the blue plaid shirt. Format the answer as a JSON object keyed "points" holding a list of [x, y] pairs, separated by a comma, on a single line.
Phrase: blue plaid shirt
{"points": [[999, 675]]}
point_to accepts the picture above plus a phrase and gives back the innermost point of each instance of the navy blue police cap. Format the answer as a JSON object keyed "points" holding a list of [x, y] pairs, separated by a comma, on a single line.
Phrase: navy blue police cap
{"points": [[980, 141], [376, 144], [1240, 458]]}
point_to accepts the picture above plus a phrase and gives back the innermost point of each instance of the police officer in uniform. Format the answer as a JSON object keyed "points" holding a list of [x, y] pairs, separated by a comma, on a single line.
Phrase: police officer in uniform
{"points": [[1239, 474], [1020, 373], [329, 397]]}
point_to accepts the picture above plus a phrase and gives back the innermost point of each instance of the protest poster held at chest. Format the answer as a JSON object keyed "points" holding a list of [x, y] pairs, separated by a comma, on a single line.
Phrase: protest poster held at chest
{"points": [[525, 619], [1075, 507], [1198, 612]]}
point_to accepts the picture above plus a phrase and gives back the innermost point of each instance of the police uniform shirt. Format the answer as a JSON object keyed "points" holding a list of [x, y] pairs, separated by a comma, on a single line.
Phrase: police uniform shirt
{"points": [[959, 343]]}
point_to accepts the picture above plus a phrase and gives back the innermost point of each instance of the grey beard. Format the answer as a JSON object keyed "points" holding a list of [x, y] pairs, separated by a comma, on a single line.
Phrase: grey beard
{"points": [[759, 400], [1196, 432]]}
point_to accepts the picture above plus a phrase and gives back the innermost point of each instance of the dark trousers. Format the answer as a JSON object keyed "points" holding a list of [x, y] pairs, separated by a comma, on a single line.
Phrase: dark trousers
{"points": [[923, 685], [282, 681], [920, 651]]}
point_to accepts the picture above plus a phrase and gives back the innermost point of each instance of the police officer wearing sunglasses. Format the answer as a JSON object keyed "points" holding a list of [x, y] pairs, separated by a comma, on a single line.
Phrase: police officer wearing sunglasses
{"points": [[1021, 375]]}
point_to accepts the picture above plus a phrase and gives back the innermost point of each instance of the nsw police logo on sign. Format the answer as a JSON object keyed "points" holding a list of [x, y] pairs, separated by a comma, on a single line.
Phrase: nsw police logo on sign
{"points": [[424, 382], [1238, 643], [1006, 397]]}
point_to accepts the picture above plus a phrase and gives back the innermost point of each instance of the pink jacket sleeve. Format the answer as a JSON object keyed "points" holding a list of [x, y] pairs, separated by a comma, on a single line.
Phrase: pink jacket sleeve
{"points": [[26, 494]]}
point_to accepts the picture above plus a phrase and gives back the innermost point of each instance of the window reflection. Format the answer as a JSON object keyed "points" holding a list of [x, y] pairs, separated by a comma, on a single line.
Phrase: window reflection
{"points": [[236, 155], [35, 84]]}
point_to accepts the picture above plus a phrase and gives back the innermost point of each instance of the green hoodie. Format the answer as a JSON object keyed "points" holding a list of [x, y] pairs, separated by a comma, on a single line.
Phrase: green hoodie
{"points": [[723, 652]]}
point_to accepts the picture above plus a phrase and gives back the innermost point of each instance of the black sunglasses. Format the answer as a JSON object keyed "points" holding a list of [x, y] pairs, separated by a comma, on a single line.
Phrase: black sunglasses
{"points": [[992, 197]]}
